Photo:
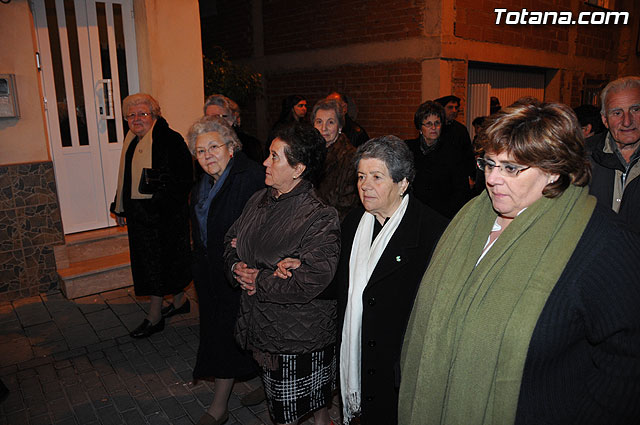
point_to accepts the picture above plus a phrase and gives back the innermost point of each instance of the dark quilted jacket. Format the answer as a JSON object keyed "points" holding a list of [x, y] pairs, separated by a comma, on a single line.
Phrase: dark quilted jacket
{"points": [[285, 316]]}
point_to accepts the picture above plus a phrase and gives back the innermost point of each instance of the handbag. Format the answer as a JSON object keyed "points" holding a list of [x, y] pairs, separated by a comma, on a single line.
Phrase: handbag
{"points": [[152, 180]]}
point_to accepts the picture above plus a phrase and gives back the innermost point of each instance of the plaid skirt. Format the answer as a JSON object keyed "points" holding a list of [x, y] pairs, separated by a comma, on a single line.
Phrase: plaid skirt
{"points": [[300, 384]]}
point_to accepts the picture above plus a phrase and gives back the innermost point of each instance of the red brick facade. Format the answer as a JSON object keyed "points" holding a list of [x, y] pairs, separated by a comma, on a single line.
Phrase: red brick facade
{"points": [[387, 95], [293, 26]]}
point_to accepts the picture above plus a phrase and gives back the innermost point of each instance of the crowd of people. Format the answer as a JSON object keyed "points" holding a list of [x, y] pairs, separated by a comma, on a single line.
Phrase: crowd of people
{"points": [[426, 281]]}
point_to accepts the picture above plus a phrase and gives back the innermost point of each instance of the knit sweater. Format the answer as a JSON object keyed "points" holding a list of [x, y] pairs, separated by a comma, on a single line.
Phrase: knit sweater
{"points": [[583, 362]]}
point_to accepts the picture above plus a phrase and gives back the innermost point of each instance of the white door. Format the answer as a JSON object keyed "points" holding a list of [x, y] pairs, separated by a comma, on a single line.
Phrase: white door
{"points": [[88, 63]]}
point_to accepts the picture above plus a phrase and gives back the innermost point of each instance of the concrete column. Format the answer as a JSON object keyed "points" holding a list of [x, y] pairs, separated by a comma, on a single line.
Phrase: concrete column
{"points": [[170, 58]]}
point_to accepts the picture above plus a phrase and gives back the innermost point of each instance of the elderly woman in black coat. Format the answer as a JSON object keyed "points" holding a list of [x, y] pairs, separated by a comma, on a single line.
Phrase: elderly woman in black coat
{"points": [[288, 243], [154, 180], [229, 180], [385, 250]]}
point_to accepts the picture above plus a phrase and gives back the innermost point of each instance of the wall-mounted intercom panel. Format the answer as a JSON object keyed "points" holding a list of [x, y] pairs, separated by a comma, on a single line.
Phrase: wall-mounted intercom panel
{"points": [[8, 96]]}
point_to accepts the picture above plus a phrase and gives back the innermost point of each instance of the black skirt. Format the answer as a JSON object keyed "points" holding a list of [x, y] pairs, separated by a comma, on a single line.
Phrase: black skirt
{"points": [[302, 383], [218, 354]]}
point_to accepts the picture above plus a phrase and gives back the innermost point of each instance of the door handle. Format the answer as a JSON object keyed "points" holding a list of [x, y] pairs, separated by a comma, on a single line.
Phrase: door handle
{"points": [[106, 110]]}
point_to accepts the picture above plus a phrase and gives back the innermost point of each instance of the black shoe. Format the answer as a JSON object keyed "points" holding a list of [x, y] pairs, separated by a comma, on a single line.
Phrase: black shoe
{"points": [[146, 329], [170, 310]]}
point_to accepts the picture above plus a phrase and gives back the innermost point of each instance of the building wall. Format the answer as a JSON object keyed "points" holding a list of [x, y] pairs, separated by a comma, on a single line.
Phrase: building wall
{"points": [[170, 58], [313, 48], [292, 26], [30, 223], [23, 139], [232, 29], [390, 92], [170, 68]]}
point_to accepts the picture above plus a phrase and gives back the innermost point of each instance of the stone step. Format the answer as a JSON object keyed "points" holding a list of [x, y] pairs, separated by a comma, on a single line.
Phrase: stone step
{"points": [[93, 244], [93, 262], [96, 275]]}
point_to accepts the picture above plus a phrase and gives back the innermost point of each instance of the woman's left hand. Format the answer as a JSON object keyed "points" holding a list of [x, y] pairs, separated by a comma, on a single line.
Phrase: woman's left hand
{"points": [[284, 266]]}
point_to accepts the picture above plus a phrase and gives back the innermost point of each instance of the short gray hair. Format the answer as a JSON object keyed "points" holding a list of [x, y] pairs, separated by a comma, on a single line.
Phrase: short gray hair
{"points": [[624, 83], [328, 105], [141, 99], [213, 125], [395, 154], [224, 102]]}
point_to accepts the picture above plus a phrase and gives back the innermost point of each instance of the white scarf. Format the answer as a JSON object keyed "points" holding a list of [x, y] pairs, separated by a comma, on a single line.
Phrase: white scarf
{"points": [[363, 260]]}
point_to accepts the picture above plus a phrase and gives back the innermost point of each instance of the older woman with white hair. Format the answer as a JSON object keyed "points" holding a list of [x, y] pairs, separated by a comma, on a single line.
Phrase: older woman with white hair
{"points": [[386, 247], [154, 180], [228, 181]]}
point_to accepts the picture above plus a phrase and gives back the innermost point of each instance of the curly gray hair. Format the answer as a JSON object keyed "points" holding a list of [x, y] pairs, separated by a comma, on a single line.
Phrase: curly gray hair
{"points": [[395, 154], [213, 124]]}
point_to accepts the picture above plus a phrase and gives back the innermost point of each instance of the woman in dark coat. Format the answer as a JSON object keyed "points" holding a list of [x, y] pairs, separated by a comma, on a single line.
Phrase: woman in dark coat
{"points": [[288, 244], [442, 163], [528, 312], [229, 180], [156, 211], [385, 250]]}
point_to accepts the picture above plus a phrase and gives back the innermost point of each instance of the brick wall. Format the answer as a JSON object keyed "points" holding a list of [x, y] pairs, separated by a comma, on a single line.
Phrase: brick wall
{"points": [[387, 95], [30, 225], [302, 25], [475, 20], [227, 24]]}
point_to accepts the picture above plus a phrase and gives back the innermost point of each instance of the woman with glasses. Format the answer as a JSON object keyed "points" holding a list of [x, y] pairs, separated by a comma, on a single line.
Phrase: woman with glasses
{"points": [[442, 180], [154, 180], [228, 181], [528, 312]]}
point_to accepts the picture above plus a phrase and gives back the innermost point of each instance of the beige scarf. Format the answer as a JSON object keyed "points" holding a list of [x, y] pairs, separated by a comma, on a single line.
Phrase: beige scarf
{"points": [[141, 159]]}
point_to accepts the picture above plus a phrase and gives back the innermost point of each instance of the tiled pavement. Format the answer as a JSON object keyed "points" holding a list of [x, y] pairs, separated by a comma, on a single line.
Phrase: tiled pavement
{"points": [[73, 362]]}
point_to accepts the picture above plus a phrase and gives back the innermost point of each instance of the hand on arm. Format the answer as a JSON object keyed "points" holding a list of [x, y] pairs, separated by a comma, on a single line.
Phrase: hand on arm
{"points": [[246, 276], [284, 267]]}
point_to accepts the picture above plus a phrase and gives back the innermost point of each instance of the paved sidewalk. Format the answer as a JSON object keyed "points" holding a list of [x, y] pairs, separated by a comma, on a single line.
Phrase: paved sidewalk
{"points": [[73, 362]]}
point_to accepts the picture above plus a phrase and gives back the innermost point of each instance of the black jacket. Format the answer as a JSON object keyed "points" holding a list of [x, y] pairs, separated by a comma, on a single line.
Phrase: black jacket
{"points": [[603, 169], [442, 174], [356, 134], [387, 301], [286, 315], [218, 354], [583, 361]]}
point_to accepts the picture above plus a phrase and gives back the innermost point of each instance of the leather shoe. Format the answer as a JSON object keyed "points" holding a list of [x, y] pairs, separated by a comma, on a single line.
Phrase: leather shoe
{"points": [[171, 310], [207, 419], [146, 329]]}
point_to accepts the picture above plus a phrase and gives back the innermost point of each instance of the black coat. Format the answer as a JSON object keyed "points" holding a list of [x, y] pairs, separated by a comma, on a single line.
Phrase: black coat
{"points": [[603, 173], [583, 361], [354, 132], [218, 354], [442, 173], [387, 301], [158, 228]]}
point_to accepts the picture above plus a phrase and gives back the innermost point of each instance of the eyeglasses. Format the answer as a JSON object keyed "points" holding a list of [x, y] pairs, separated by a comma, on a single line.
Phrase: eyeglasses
{"points": [[435, 124], [219, 115], [129, 117], [506, 169], [211, 150]]}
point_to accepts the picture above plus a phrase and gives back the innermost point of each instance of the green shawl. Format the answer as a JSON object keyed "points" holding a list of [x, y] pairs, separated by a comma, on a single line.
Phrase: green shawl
{"points": [[469, 331]]}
